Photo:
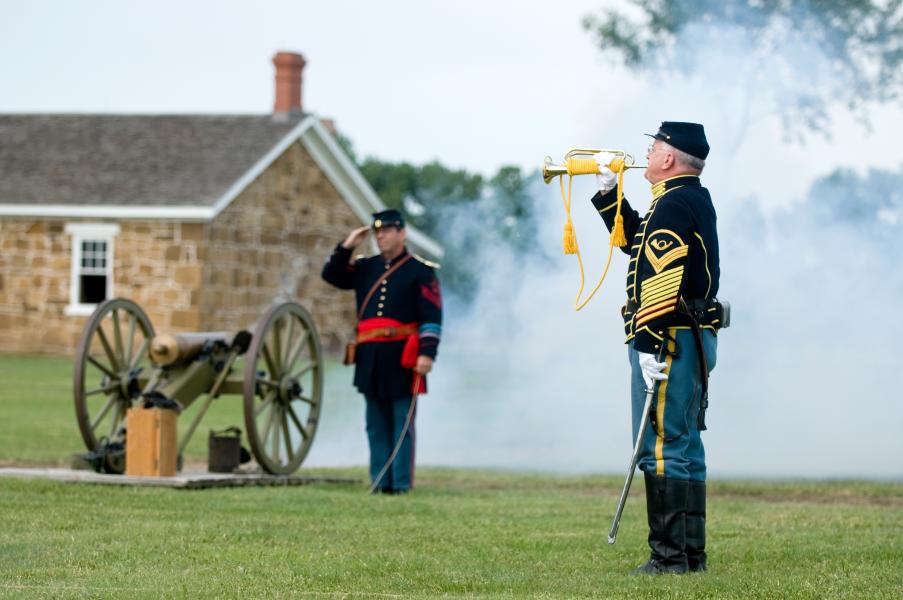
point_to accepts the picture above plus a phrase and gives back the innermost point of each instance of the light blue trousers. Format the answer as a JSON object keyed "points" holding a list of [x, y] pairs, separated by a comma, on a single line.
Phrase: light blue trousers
{"points": [[672, 445]]}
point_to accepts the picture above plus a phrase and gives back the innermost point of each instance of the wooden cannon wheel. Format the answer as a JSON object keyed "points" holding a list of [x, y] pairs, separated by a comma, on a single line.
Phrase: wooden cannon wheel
{"points": [[110, 357], [283, 388]]}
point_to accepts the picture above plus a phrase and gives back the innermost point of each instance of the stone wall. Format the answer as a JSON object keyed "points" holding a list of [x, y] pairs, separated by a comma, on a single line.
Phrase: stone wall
{"points": [[155, 263], [269, 246], [34, 286]]}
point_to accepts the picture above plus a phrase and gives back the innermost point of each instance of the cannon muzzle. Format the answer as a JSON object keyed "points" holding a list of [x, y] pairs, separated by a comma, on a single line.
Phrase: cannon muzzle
{"points": [[168, 349]]}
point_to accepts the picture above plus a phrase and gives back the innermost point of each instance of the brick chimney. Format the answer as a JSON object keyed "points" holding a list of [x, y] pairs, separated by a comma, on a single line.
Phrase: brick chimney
{"points": [[288, 81]]}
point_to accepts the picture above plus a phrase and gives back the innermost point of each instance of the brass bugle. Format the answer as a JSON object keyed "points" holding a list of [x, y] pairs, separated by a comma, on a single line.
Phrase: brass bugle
{"points": [[551, 170]]}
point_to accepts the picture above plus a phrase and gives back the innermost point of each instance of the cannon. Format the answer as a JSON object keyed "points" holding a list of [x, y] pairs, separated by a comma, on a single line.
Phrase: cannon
{"points": [[277, 371]]}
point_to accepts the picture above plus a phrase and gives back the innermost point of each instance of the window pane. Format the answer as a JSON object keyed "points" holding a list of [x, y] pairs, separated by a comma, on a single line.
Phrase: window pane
{"points": [[93, 289]]}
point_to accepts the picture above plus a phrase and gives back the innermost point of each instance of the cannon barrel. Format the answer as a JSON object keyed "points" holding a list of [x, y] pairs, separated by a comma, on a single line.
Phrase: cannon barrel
{"points": [[168, 349]]}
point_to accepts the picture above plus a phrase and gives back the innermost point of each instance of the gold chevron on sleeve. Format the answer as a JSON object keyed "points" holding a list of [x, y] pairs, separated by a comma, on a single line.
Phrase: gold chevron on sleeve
{"points": [[663, 310], [660, 262], [651, 297], [655, 307], [663, 279]]}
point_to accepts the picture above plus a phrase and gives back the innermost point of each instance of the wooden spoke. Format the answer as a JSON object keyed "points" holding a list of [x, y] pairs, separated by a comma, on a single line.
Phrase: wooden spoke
{"points": [[131, 338], [277, 347], [301, 428], [295, 351], [138, 355], [303, 370], [288, 341], [103, 412], [270, 420], [117, 416], [103, 368], [106, 389], [275, 446], [268, 382], [117, 338], [290, 453], [271, 366], [106, 348], [267, 401], [306, 399]]}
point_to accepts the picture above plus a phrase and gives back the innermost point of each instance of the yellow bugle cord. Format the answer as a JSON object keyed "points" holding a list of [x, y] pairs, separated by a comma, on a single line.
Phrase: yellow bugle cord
{"points": [[583, 166]]}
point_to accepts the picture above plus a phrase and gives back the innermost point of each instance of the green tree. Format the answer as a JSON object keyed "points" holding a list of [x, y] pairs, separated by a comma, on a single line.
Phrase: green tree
{"points": [[860, 41]]}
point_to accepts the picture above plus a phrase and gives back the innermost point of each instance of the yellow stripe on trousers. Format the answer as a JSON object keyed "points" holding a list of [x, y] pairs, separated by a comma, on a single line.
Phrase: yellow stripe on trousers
{"points": [[660, 407]]}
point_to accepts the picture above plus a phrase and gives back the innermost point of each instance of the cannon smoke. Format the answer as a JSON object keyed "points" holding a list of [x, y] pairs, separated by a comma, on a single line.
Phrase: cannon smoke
{"points": [[805, 374]]}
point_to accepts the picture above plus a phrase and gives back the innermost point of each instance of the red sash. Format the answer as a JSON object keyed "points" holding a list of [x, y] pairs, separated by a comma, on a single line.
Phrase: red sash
{"points": [[383, 329]]}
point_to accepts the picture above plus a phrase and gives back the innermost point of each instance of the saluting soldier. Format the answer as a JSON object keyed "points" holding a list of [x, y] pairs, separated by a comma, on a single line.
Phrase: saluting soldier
{"points": [[670, 319], [399, 326]]}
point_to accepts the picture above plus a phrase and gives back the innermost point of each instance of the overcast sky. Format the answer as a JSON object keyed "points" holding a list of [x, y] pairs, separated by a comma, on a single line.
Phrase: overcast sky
{"points": [[473, 84]]}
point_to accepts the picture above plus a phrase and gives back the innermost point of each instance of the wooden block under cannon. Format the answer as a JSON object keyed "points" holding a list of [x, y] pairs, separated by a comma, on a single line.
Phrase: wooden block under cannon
{"points": [[151, 447]]}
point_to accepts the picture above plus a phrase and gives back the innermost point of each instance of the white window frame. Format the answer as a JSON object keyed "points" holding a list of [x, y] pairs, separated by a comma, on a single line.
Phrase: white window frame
{"points": [[103, 232]]}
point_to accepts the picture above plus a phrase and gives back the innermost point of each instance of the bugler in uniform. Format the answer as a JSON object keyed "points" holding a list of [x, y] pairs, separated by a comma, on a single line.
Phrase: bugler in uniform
{"points": [[670, 320], [399, 326]]}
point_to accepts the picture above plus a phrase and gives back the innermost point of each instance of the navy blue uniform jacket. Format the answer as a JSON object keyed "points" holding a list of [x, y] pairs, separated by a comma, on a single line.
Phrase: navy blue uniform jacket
{"points": [[410, 294], [673, 253]]}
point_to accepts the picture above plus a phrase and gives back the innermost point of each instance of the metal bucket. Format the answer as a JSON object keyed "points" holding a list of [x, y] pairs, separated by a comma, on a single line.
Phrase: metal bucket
{"points": [[224, 450]]}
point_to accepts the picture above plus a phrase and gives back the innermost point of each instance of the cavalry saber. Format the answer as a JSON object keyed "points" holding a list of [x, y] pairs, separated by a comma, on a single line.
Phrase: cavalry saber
{"points": [[404, 432], [647, 407]]}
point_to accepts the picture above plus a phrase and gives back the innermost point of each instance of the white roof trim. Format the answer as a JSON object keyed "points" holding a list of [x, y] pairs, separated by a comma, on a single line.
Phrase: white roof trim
{"points": [[321, 145], [96, 211]]}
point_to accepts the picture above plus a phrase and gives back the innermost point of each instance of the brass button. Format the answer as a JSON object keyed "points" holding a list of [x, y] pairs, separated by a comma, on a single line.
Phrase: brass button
{"points": [[379, 313], [380, 305], [385, 281], [383, 290], [387, 266], [382, 297]]}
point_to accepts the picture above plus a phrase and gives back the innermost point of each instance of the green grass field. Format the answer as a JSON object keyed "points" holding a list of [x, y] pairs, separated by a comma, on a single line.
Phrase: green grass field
{"points": [[461, 533]]}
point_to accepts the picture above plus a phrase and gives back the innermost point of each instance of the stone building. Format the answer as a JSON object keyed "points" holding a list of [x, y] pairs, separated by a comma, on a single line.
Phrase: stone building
{"points": [[203, 220]]}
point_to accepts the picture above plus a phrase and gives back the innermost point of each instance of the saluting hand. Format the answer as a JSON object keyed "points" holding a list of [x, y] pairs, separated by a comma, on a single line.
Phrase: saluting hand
{"points": [[424, 365], [355, 237]]}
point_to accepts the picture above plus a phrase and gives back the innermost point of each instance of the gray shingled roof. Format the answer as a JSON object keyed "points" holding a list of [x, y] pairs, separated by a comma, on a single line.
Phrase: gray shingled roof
{"points": [[131, 160]]}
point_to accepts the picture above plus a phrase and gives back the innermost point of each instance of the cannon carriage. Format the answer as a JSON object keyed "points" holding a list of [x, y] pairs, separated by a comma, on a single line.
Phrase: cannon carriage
{"points": [[277, 371]]}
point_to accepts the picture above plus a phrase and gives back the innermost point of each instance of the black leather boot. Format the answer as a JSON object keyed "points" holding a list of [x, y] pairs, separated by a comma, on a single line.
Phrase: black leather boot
{"points": [[666, 510], [696, 526]]}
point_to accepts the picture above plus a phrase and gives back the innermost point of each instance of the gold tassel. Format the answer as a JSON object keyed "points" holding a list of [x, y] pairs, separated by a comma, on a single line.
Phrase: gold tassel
{"points": [[570, 237], [617, 233]]}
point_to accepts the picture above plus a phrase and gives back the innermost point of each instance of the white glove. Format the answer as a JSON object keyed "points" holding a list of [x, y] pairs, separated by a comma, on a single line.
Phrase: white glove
{"points": [[606, 179], [652, 369]]}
